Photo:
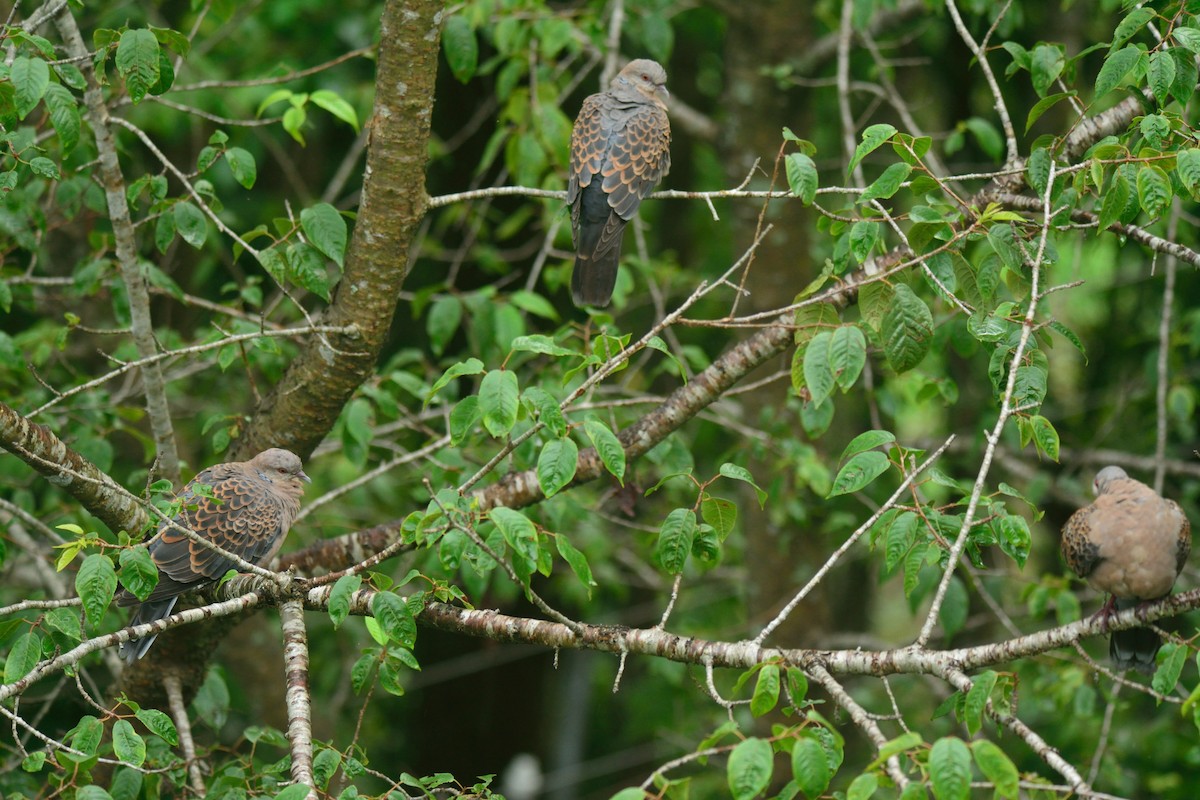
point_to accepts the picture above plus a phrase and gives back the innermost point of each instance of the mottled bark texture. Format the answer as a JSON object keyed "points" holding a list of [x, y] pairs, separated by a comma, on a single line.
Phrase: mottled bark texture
{"points": [[125, 246], [38, 447], [303, 406]]}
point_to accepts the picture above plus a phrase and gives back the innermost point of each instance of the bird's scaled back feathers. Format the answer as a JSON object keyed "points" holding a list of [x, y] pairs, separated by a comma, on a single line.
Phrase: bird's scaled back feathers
{"points": [[620, 150], [1130, 543], [246, 510]]}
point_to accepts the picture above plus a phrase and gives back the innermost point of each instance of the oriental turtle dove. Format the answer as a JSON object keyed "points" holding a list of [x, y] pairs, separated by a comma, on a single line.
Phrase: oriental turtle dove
{"points": [[1130, 543], [247, 513], [619, 152]]}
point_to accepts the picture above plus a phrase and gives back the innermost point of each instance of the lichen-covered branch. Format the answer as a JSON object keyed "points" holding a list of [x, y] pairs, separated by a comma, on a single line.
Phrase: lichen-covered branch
{"points": [[47, 454], [299, 708], [125, 241], [312, 392]]}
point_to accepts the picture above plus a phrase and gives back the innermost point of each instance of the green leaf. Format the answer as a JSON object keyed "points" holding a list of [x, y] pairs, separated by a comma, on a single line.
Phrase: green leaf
{"points": [[556, 465], [1044, 105], [472, 366], [608, 447], [463, 418], [190, 222], [498, 393], [1167, 675], [720, 513], [22, 657], [907, 330], [96, 583], [863, 787], [443, 321], [858, 472], [1115, 200], [801, 176], [64, 115], [872, 138], [460, 46], [30, 78], [1161, 74], [739, 473], [810, 767], [1015, 539], [902, 743], [749, 768], [866, 441], [675, 540], [1187, 37], [159, 724], [629, 793], [548, 411], [65, 621], [1154, 190], [325, 765], [766, 690], [326, 231], [1187, 167], [818, 371], [139, 574], [874, 299], [886, 184], [297, 791], [1116, 66], [395, 618], [242, 165], [575, 560], [950, 769], [864, 235], [138, 62], [87, 735], [900, 537], [1045, 65], [997, 767], [1045, 436], [540, 343], [334, 104], [975, 703], [847, 355], [339, 598], [127, 744], [1130, 25], [517, 530]]}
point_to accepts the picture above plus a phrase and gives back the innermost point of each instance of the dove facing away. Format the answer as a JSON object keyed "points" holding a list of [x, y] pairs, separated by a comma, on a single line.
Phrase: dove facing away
{"points": [[1130, 543], [619, 152], [253, 504]]}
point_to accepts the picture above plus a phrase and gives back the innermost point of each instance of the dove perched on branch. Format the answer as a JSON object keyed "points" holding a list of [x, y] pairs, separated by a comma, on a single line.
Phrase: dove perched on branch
{"points": [[1131, 543], [619, 152], [252, 505]]}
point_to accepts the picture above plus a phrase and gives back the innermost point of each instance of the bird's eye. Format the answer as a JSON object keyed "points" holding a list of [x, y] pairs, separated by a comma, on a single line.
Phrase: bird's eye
{"points": [[282, 471]]}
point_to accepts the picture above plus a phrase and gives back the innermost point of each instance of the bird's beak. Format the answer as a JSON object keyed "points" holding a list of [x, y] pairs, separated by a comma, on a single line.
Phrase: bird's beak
{"points": [[303, 477], [664, 91]]}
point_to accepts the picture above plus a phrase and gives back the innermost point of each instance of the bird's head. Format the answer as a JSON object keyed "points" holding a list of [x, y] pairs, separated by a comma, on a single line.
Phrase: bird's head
{"points": [[282, 466], [645, 77], [1106, 476]]}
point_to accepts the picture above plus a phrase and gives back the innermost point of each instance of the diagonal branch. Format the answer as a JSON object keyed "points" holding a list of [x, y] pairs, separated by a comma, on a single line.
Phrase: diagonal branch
{"points": [[306, 402], [113, 182]]}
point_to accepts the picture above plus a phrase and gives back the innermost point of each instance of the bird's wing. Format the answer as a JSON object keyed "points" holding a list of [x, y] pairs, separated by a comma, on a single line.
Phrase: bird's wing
{"points": [[638, 156], [242, 516]]}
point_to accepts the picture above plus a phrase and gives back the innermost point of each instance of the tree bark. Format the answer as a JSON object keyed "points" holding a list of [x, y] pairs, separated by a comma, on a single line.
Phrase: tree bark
{"points": [[306, 402]]}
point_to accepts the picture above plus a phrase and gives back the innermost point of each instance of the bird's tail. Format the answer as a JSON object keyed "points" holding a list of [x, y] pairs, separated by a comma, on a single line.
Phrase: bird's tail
{"points": [[593, 279], [134, 649], [1134, 648]]}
